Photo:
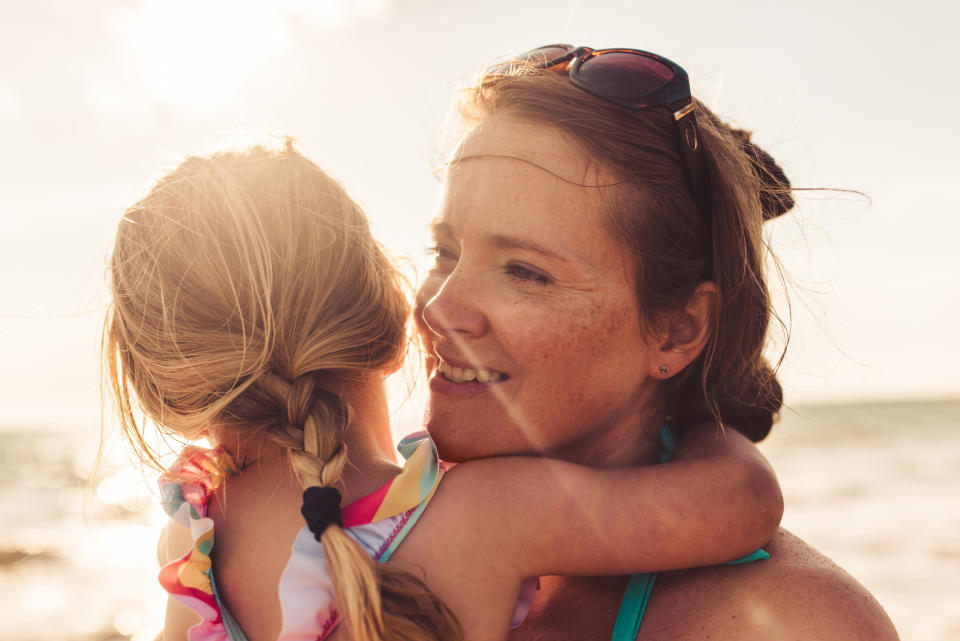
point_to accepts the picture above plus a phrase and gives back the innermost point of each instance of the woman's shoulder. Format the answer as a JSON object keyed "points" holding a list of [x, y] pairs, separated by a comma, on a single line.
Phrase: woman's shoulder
{"points": [[798, 591]]}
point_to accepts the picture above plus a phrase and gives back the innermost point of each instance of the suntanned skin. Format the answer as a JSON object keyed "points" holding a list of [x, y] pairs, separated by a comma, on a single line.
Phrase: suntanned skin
{"points": [[491, 524]]}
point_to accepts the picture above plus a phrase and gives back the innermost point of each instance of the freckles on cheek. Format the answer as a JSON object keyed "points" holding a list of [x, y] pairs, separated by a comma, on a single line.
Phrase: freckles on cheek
{"points": [[602, 337], [563, 348]]}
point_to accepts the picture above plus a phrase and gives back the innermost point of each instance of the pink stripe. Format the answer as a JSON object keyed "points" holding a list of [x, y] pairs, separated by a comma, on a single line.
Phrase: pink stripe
{"points": [[362, 511], [393, 534], [328, 625]]}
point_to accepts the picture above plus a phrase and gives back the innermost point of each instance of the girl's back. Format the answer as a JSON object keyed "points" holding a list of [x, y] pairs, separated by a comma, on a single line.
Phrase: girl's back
{"points": [[256, 516]]}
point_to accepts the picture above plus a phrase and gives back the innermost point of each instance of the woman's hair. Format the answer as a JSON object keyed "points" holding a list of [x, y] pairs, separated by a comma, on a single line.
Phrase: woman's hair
{"points": [[653, 213], [248, 294]]}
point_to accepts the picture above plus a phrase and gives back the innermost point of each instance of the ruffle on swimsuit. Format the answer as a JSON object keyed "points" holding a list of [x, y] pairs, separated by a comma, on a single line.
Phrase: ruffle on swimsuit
{"points": [[185, 491], [378, 522]]}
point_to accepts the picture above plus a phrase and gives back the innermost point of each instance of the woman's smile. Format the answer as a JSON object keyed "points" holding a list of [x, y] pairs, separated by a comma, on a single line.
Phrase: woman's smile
{"points": [[456, 376]]}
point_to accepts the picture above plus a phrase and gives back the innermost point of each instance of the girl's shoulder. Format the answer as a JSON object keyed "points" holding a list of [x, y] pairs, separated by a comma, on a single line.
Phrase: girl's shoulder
{"points": [[187, 486], [798, 591]]}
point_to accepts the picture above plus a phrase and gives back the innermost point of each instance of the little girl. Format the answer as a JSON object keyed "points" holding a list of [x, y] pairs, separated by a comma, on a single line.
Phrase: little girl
{"points": [[252, 307]]}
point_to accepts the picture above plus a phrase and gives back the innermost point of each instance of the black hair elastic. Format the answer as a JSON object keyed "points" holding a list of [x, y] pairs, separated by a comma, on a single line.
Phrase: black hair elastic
{"points": [[321, 508]]}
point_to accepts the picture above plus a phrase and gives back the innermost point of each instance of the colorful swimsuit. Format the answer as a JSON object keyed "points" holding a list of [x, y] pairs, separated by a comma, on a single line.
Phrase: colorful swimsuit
{"points": [[378, 522]]}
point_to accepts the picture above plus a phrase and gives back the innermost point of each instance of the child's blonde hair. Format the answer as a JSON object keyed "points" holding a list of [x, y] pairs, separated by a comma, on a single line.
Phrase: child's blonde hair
{"points": [[249, 293]]}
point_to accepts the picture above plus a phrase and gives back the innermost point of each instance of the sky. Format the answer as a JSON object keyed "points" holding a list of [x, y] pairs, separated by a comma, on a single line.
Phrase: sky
{"points": [[98, 98]]}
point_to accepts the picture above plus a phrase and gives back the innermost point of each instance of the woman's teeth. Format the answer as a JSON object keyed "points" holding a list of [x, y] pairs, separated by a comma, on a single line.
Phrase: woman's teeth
{"points": [[461, 375]]}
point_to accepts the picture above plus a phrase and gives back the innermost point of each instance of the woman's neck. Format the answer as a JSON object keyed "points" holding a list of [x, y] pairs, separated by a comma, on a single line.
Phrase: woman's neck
{"points": [[634, 439], [638, 446]]}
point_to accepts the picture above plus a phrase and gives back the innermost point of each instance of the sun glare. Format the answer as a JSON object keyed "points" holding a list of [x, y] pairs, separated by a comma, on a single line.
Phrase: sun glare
{"points": [[198, 54]]}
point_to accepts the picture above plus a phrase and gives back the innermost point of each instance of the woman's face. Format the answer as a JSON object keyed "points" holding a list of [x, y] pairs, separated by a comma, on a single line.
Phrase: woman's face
{"points": [[529, 311]]}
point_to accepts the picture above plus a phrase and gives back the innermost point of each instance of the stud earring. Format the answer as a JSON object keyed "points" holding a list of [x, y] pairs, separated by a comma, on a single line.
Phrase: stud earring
{"points": [[664, 369]]}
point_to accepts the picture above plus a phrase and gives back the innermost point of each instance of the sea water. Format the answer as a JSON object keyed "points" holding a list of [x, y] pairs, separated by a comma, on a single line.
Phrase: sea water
{"points": [[876, 487]]}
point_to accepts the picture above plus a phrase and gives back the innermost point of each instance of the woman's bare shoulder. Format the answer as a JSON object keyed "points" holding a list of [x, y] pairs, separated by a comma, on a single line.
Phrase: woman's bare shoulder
{"points": [[798, 592]]}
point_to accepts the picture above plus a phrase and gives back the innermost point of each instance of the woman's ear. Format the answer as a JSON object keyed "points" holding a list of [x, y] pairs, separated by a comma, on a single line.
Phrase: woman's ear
{"points": [[687, 332]]}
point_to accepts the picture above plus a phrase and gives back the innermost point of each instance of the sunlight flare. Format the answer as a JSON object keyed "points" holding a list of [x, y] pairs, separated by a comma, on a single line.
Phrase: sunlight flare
{"points": [[198, 54]]}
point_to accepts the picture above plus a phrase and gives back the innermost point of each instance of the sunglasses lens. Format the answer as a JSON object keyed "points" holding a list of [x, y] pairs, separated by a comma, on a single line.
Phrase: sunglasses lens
{"points": [[626, 74]]}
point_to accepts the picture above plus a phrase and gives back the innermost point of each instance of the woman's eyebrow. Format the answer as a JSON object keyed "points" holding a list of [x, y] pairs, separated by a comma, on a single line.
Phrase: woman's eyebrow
{"points": [[442, 229], [439, 229], [501, 241]]}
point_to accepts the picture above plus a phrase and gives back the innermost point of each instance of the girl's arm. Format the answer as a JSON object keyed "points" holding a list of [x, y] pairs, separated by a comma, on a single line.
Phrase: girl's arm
{"points": [[717, 501], [175, 541]]}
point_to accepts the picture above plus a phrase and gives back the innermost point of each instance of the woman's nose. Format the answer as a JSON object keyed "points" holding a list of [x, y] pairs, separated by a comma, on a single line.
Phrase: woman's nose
{"points": [[448, 306]]}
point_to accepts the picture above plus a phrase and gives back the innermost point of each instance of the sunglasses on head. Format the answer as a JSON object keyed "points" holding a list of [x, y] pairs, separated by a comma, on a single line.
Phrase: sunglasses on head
{"points": [[635, 79]]}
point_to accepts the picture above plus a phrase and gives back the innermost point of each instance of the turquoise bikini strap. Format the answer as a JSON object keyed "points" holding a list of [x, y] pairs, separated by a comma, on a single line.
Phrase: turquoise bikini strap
{"points": [[634, 603], [759, 555]]}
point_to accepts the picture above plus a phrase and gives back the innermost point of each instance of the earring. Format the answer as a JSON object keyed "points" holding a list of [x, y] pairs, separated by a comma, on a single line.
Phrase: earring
{"points": [[664, 369]]}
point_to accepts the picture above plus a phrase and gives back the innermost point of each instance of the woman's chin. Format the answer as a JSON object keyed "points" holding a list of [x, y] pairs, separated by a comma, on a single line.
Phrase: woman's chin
{"points": [[458, 441], [450, 447]]}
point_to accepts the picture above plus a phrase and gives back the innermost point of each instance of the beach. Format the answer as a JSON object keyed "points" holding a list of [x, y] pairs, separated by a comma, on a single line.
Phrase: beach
{"points": [[873, 486]]}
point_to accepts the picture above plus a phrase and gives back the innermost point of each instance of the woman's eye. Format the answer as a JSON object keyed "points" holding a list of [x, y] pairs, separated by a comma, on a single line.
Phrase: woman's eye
{"points": [[440, 252], [523, 273]]}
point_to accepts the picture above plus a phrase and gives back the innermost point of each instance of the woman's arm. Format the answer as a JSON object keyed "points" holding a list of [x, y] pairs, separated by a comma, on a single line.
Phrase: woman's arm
{"points": [[717, 501]]}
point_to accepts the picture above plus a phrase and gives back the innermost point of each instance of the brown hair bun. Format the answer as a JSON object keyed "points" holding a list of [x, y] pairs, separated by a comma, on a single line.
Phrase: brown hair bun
{"points": [[775, 193], [751, 410]]}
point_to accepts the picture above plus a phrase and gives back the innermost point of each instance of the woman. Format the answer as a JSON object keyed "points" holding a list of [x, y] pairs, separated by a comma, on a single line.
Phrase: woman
{"points": [[252, 307], [598, 245]]}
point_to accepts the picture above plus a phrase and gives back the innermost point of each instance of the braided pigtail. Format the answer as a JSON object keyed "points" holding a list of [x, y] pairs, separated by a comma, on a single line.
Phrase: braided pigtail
{"points": [[317, 421], [375, 601]]}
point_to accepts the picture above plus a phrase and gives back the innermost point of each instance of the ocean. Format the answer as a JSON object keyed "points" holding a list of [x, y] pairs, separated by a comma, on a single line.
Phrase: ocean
{"points": [[876, 487]]}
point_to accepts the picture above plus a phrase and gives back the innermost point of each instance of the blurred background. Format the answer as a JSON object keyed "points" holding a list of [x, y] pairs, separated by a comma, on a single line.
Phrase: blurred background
{"points": [[97, 98]]}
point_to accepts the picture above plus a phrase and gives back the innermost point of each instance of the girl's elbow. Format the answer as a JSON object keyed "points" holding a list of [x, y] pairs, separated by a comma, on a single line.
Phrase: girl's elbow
{"points": [[768, 499]]}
